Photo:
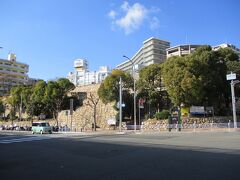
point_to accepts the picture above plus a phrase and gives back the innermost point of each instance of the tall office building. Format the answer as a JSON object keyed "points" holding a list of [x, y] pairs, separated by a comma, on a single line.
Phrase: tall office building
{"points": [[153, 51], [12, 73], [82, 76]]}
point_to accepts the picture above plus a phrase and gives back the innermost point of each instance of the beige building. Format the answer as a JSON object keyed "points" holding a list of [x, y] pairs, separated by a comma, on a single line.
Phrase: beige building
{"points": [[12, 73], [153, 51], [181, 50]]}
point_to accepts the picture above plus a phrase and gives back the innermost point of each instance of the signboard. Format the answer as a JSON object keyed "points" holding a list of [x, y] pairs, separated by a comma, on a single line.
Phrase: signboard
{"points": [[123, 105], [231, 76], [141, 103], [111, 121], [197, 110]]}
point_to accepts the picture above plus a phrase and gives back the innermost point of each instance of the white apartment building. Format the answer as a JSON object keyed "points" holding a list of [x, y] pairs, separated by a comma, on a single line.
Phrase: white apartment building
{"points": [[225, 45], [153, 51], [82, 76], [12, 73], [181, 50]]}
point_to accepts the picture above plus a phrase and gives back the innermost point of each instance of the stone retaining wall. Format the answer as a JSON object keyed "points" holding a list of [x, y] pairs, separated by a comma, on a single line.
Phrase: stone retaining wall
{"points": [[154, 124], [82, 117]]}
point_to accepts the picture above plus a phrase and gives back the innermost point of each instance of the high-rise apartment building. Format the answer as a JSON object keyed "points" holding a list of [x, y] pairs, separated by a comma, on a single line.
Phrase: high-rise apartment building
{"points": [[82, 76], [153, 51], [12, 73]]}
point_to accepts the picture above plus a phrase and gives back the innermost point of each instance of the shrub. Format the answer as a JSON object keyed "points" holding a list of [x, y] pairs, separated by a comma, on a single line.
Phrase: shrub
{"points": [[162, 115]]}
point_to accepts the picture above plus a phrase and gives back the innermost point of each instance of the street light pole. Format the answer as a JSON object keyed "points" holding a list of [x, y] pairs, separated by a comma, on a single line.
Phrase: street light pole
{"points": [[232, 77], [134, 92], [120, 104]]}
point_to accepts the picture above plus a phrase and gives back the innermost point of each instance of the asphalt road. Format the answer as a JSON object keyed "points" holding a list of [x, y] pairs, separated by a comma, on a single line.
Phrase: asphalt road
{"points": [[131, 156]]}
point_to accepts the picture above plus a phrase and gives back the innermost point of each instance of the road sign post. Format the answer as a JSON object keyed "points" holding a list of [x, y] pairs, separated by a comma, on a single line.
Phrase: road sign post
{"points": [[232, 77], [71, 110], [140, 106]]}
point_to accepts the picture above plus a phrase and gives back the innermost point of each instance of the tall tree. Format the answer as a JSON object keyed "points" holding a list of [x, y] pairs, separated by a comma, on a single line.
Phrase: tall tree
{"points": [[150, 87], [37, 105], [56, 95], [200, 78], [27, 100], [109, 89], [14, 99]]}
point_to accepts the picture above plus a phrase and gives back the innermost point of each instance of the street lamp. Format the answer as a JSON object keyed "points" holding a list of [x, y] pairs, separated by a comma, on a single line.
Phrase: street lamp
{"points": [[120, 104], [134, 92]]}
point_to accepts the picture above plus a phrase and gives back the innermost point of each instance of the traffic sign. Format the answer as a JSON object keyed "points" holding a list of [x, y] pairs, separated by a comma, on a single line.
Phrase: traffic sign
{"points": [[141, 102], [231, 76]]}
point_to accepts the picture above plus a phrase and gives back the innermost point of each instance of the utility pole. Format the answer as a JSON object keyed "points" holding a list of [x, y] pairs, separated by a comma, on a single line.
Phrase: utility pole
{"points": [[234, 103], [134, 92]]}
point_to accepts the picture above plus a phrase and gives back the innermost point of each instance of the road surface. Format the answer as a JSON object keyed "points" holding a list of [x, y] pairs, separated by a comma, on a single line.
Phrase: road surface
{"points": [[160, 156]]}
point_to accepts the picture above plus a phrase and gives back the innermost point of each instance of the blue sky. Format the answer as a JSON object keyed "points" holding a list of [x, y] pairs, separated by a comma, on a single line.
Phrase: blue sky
{"points": [[49, 34]]}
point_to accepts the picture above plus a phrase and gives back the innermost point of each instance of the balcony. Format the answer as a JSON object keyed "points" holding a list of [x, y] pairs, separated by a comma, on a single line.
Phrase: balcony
{"points": [[13, 73], [17, 68]]}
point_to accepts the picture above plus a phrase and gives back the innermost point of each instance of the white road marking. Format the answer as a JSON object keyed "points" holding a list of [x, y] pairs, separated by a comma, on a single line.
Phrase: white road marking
{"points": [[24, 139]]}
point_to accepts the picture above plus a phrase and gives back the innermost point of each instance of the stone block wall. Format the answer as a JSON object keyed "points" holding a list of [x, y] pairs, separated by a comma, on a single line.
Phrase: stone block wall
{"points": [[82, 117]]}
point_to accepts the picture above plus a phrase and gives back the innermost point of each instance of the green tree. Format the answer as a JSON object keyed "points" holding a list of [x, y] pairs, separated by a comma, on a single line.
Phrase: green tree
{"points": [[14, 99], [37, 105], [233, 66], [173, 72], [150, 87], [109, 90], [200, 78], [27, 100], [55, 96]]}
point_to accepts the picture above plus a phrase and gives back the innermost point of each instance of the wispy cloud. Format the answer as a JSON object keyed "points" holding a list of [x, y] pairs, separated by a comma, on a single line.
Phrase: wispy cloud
{"points": [[132, 17], [154, 23], [112, 14]]}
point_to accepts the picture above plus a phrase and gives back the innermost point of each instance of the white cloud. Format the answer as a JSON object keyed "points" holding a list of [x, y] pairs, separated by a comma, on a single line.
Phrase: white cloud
{"points": [[132, 17], [125, 6], [154, 23], [112, 14]]}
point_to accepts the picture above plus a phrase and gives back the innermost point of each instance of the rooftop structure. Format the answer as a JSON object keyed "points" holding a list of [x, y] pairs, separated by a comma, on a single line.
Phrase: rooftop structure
{"points": [[181, 50]]}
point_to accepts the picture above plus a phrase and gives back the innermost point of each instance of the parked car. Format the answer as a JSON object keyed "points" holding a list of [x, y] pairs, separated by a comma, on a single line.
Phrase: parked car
{"points": [[41, 127]]}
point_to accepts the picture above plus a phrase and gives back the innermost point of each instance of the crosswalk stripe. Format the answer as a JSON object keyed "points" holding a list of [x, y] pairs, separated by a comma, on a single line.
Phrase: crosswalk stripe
{"points": [[35, 138]]}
